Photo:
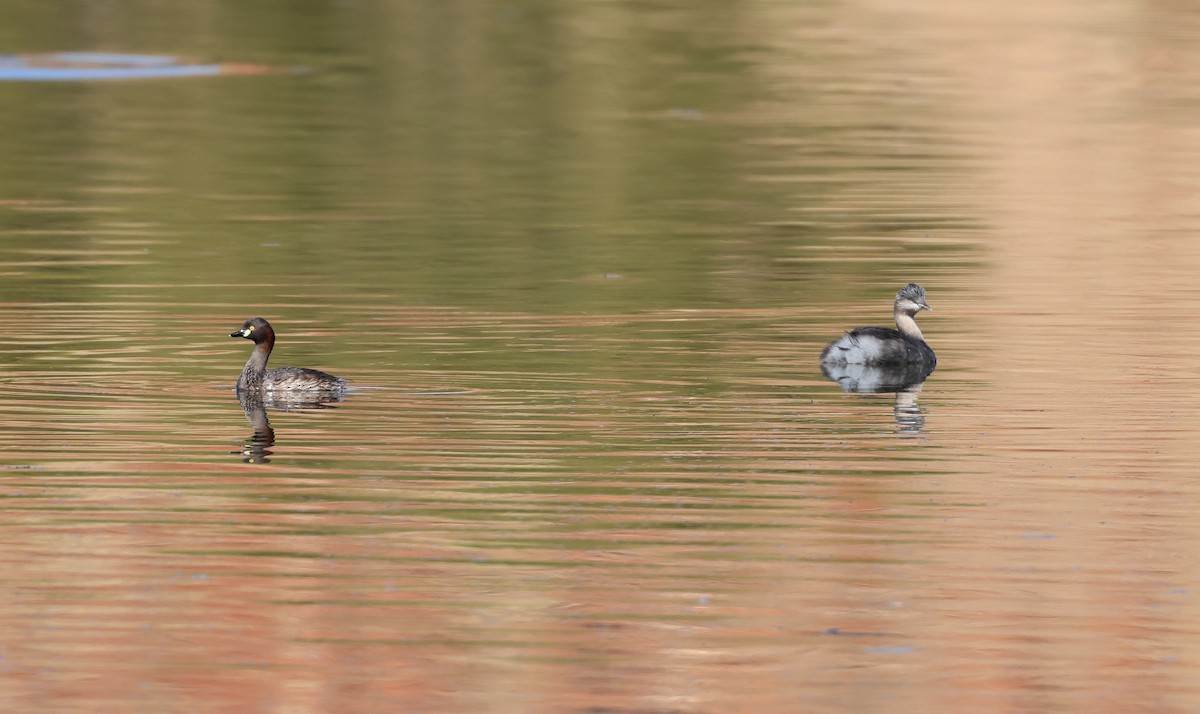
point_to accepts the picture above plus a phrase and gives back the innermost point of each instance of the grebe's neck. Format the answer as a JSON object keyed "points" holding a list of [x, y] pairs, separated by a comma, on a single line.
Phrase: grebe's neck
{"points": [[252, 373], [908, 326]]}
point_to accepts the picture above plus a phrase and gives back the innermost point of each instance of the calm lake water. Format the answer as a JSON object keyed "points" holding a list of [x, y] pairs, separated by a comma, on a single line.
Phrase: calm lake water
{"points": [[578, 260]]}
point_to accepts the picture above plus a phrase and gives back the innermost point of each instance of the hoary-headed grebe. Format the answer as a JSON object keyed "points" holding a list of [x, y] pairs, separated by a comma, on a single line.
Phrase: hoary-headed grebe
{"points": [[883, 345]]}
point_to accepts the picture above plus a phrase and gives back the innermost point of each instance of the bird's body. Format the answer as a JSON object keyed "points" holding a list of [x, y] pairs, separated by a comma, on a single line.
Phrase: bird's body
{"points": [[256, 378], [884, 345]]}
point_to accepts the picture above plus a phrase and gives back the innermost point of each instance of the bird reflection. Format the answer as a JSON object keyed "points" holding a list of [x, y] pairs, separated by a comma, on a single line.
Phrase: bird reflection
{"points": [[257, 448], [905, 380]]}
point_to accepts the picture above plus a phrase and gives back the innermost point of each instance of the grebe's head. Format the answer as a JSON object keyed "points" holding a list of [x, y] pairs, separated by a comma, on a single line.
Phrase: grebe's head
{"points": [[255, 329], [911, 299]]}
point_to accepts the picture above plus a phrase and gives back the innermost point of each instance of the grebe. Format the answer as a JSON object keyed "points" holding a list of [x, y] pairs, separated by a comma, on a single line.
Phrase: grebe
{"points": [[257, 378], [883, 345]]}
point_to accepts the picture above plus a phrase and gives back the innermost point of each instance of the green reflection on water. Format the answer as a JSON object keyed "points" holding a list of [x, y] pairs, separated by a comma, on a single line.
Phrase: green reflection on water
{"points": [[534, 156]]}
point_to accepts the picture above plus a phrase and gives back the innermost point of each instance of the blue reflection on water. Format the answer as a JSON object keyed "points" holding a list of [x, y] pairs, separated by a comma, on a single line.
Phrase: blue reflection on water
{"points": [[87, 66]]}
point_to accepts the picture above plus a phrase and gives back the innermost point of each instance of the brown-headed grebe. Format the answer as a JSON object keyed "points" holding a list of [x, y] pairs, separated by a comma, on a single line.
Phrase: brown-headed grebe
{"points": [[883, 345], [257, 378]]}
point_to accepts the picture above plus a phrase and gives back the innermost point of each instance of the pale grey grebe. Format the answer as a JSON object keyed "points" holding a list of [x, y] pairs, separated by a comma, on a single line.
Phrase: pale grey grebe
{"points": [[257, 378], [883, 345]]}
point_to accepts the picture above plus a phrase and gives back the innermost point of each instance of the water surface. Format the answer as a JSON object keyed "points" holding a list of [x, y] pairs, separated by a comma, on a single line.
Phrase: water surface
{"points": [[577, 260]]}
